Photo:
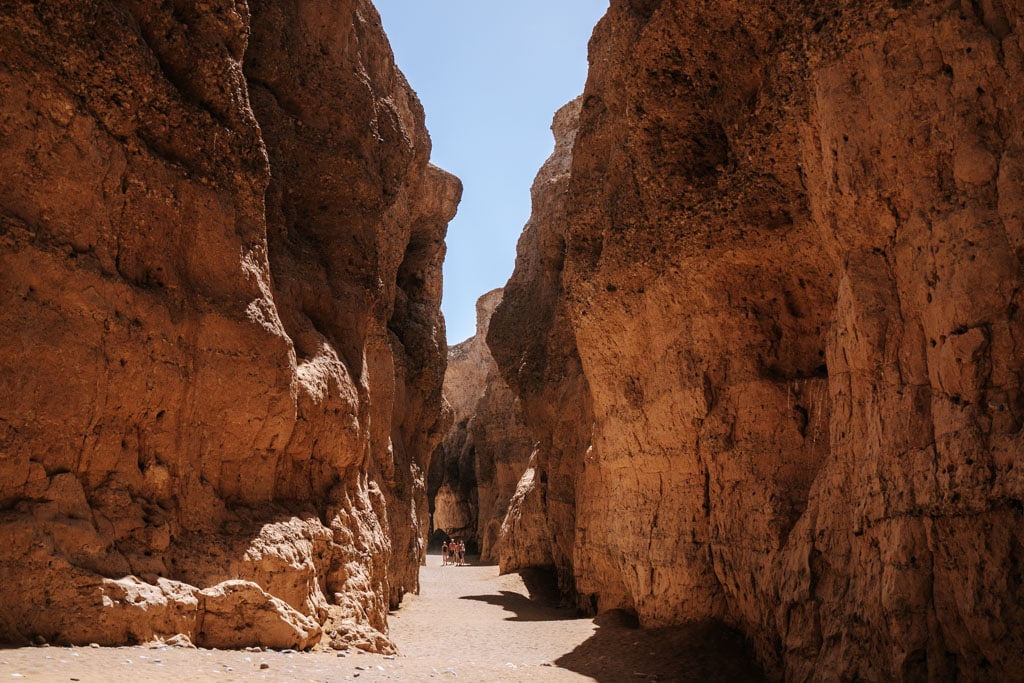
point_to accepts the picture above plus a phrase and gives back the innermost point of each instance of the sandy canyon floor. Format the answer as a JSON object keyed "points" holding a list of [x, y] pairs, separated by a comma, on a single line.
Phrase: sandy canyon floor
{"points": [[469, 624]]}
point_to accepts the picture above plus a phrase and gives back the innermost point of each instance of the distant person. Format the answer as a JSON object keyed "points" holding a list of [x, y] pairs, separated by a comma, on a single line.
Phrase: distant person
{"points": [[444, 553], [462, 552]]}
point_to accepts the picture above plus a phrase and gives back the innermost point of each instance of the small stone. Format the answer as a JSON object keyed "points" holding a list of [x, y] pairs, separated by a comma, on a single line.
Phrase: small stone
{"points": [[180, 640], [264, 665], [96, 645], [389, 656]]}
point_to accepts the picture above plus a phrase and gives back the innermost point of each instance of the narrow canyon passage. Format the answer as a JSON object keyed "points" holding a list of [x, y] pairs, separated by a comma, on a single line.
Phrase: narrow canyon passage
{"points": [[759, 361], [468, 624], [472, 623]]}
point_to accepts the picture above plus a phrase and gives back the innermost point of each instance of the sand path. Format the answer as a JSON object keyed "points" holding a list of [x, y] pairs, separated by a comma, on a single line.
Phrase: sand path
{"points": [[469, 624]]}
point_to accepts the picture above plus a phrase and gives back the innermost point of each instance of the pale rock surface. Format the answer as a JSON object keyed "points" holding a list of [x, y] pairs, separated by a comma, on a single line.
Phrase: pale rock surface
{"points": [[476, 468], [792, 274], [222, 352], [269, 621], [451, 485]]}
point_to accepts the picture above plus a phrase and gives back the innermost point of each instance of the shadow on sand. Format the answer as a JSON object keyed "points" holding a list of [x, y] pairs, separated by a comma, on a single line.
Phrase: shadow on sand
{"points": [[700, 652], [541, 605], [703, 652]]}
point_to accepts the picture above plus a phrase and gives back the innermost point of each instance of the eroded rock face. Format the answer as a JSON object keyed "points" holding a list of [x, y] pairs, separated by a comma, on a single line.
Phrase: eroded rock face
{"points": [[792, 276], [533, 342], [475, 471], [220, 247], [451, 484]]}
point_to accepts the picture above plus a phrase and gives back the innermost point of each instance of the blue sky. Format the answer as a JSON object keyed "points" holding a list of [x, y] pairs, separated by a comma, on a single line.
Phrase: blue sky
{"points": [[490, 76]]}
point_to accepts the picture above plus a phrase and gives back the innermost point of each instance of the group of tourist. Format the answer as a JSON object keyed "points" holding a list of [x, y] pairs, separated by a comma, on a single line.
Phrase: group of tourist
{"points": [[454, 552]]}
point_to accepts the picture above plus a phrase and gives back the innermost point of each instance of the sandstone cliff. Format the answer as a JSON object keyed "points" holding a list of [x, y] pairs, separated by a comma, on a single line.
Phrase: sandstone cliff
{"points": [[222, 353], [475, 470], [791, 272], [532, 340]]}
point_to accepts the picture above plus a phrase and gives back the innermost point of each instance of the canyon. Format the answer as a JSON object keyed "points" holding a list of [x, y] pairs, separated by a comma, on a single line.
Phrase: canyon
{"points": [[756, 366], [220, 381]]}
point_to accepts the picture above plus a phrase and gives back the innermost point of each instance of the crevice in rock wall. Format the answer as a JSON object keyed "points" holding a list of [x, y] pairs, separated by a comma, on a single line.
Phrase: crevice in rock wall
{"points": [[222, 374], [476, 468]]}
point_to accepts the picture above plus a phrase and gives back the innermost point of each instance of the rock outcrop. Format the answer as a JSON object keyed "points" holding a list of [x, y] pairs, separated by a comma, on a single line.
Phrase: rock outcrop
{"points": [[791, 275], [222, 357], [475, 470]]}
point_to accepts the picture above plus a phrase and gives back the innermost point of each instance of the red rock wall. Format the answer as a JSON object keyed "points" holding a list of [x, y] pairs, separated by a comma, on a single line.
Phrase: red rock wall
{"points": [[792, 274], [222, 351]]}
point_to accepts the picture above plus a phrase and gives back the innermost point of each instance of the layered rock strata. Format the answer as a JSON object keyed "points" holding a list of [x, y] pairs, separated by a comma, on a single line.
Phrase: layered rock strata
{"points": [[791, 273], [221, 367], [475, 470]]}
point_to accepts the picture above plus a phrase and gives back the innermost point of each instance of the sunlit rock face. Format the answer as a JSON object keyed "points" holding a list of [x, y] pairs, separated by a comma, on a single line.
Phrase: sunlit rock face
{"points": [[792, 277], [451, 484], [533, 342], [475, 470], [220, 249]]}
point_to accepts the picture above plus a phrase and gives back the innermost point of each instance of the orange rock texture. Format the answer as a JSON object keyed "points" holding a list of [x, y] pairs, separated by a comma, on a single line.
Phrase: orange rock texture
{"points": [[475, 470], [222, 352], [781, 287]]}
